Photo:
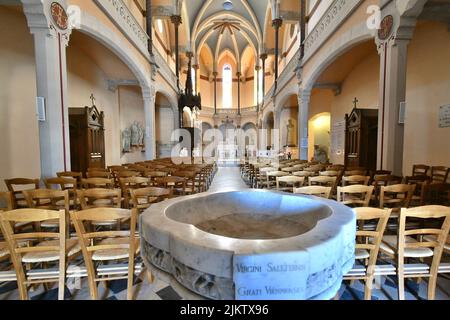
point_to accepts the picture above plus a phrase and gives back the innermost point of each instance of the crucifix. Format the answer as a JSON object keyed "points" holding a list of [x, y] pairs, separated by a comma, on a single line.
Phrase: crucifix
{"points": [[355, 102], [92, 99]]}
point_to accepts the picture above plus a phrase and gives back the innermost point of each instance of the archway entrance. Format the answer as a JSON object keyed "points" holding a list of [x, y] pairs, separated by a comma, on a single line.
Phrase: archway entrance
{"points": [[319, 137], [164, 120]]}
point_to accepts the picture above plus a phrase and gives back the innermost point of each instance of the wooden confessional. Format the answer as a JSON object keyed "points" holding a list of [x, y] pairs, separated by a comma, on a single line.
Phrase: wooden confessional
{"points": [[361, 138], [87, 138]]}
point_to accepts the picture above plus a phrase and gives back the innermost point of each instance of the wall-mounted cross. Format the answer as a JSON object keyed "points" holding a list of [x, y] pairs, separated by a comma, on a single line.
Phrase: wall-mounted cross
{"points": [[355, 102]]}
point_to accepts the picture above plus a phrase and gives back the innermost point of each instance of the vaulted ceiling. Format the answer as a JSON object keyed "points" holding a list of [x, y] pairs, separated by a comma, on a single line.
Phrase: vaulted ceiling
{"points": [[207, 24]]}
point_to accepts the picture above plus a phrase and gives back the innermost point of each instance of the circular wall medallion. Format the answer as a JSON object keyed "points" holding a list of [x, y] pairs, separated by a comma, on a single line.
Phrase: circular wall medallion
{"points": [[386, 27], [59, 15]]}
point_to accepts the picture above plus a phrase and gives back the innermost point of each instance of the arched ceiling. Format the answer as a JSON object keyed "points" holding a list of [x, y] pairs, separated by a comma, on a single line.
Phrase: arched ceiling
{"points": [[207, 23]]}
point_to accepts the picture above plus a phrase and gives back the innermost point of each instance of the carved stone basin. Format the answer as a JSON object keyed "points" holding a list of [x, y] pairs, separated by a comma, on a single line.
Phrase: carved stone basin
{"points": [[251, 244]]}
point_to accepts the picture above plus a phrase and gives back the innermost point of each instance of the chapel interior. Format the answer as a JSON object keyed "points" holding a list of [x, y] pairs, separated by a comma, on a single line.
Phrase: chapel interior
{"points": [[224, 149]]}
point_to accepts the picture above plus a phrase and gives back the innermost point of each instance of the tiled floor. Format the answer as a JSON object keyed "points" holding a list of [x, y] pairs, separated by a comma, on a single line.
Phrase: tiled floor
{"points": [[227, 177]]}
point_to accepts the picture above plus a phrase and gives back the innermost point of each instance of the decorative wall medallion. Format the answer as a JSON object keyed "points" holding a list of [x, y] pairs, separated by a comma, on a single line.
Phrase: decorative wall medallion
{"points": [[59, 15], [386, 27]]}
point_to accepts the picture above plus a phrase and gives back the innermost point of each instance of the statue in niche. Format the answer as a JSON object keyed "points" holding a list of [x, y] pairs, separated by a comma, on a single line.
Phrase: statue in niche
{"points": [[126, 140], [320, 154], [141, 134], [135, 134], [290, 133]]}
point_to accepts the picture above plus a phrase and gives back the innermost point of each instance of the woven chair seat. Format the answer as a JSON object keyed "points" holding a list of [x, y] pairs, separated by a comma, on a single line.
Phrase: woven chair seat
{"points": [[114, 254], [72, 248]]}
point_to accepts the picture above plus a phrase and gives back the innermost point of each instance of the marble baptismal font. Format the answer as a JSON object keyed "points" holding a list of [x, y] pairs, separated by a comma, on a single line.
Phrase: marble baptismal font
{"points": [[250, 244]]}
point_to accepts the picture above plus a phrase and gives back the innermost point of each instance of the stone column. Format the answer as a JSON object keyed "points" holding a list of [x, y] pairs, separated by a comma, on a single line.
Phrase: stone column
{"points": [[304, 97], [396, 31], [197, 78], [263, 58], [238, 74], [148, 19], [148, 95], [176, 20], [215, 92], [276, 23], [258, 70], [50, 40], [302, 27]]}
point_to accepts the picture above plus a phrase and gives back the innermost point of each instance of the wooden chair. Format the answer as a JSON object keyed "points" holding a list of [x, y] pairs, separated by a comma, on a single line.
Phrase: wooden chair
{"points": [[127, 184], [69, 184], [48, 199], [355, 195], [421, 182], [99, 198], [16, 186], [368, 245], [104, 183], [99, 174], [176, 184], [330, 173], [355, 172], [71, 174], [420, 170], [6, 201], [144, 197], [408, 244], [106, 246], [396, 196], [58, 250], [127, 174], [383, 180], [319, 191], [439, 174], [324, 181], [192, 186], [289, 182], [305, 174], [355, 179], [272, 176], [98, 170]]}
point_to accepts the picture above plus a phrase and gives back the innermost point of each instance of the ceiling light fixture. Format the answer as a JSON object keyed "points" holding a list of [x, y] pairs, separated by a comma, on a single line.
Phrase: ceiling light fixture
{"points": [[228, 5]]}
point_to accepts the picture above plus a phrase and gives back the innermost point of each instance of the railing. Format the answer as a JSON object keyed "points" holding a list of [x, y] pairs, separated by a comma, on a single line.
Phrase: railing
{"points": [[335, 15], [164, 69], [121, 16], [246, 110]]}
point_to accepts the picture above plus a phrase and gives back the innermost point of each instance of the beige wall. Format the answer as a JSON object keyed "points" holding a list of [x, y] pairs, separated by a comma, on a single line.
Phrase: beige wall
{"points": [[121, 107], [362, 83], [131, 109], [19, 129], [427, 88]]}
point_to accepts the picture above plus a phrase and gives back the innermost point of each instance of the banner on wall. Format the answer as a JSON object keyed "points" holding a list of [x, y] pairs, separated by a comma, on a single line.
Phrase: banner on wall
{"points": [[338, 137]]}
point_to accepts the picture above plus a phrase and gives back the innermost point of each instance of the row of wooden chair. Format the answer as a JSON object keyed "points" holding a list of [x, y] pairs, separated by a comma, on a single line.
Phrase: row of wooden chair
{"points": [[44, 248], [426, 243]]}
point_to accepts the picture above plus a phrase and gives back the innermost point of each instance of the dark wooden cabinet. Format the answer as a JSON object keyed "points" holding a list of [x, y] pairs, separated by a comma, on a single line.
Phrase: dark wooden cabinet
{"points": [[361, 138], [87, 138]]}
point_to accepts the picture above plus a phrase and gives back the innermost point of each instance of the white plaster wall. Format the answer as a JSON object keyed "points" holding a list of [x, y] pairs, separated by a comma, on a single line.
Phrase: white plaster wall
{"points": [[19, 129]]}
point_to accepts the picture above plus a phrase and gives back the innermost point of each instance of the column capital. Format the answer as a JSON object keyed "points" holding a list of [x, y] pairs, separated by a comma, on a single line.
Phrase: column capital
{"points": [[263, 56], [215, 74], [48, 19], [149, 93], [176, 20], [257, 68], [196, 66], [277, 23], [189, 54]]}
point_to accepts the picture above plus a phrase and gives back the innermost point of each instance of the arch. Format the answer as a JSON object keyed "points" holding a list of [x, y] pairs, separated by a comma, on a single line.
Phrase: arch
{"points": [[356, 35], [95, 29], [285, 95]]}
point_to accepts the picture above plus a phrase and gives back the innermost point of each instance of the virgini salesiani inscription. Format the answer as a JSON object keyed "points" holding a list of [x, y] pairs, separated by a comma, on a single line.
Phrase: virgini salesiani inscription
{"points": [[271, 276]]}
